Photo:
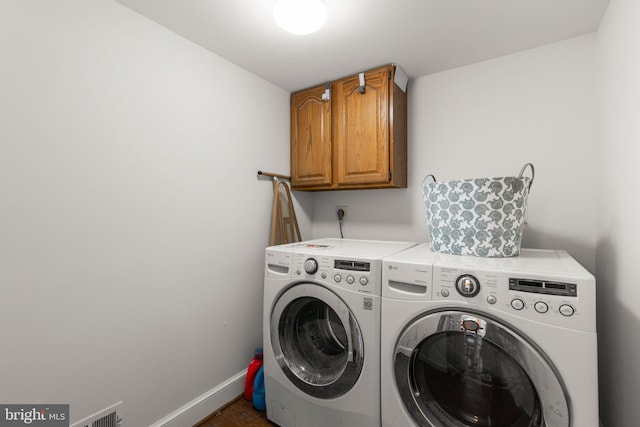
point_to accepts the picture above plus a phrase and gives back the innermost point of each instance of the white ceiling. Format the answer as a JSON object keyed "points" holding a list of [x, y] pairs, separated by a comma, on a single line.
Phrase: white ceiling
{"points": [[422, 36]]}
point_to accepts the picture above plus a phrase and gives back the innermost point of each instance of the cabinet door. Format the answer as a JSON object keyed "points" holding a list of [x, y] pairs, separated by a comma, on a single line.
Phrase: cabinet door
{"points": [[361, 129], [310, 139]]}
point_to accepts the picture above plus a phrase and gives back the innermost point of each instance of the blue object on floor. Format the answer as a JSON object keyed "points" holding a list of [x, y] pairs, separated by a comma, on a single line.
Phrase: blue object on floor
{"points": [[258, 391]]}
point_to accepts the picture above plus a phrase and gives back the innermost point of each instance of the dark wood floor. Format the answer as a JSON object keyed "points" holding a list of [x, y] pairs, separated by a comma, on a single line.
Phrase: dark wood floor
{"points": [[239, 413]]}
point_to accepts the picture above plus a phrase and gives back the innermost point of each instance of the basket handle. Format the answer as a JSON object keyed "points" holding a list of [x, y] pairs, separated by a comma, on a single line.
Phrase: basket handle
{"points": [[424, 181], [533, 173]]}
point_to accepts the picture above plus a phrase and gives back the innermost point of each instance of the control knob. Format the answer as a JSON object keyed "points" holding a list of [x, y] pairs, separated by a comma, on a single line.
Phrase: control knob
{"points": [[311, 266], [467, 285]]}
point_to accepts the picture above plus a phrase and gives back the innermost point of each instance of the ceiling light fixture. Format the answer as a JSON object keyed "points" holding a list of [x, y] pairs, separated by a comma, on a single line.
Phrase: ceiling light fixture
{"points": [[300, 16]]}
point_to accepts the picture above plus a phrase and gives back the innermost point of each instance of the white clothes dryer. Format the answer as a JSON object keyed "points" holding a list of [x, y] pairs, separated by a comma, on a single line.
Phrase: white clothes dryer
{"points": [[322, 332], [489, 342]]}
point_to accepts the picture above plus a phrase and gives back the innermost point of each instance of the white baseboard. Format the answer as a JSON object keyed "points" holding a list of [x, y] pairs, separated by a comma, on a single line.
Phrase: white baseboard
{"points": [[205, 404]]}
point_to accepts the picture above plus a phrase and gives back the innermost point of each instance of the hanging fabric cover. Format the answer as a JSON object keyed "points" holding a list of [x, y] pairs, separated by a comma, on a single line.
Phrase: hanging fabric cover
{"points": [[284, 225]]}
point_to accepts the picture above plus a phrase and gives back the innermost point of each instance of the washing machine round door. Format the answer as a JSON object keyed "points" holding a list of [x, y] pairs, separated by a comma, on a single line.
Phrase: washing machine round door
{"points": [[316, 341], [458, 369]]}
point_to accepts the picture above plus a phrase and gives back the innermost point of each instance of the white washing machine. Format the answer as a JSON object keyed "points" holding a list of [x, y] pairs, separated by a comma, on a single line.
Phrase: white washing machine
{"points": [[322, 332], [507, 342]]}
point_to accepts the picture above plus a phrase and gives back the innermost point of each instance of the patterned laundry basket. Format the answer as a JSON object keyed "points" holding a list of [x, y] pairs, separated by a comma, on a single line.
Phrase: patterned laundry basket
{"points": [[482, 217]]}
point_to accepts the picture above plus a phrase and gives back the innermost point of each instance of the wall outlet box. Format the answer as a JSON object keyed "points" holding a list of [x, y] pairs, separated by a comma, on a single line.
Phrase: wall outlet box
{"points": [[346, 211]]}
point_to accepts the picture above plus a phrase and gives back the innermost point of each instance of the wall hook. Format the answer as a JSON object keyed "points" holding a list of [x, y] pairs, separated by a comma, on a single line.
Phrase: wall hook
{"points": [[363, 87]]}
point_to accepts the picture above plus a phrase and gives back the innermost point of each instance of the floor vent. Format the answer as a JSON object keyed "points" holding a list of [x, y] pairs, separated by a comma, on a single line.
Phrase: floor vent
{"points": [[109, 417]]}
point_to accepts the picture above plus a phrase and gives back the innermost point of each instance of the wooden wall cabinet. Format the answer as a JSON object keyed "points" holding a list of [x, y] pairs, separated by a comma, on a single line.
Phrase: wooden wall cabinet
{"points": [[343, 137]]}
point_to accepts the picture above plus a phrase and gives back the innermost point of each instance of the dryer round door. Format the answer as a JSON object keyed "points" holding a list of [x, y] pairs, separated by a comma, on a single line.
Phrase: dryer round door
{"points": [[316, 341], [461, 368]]}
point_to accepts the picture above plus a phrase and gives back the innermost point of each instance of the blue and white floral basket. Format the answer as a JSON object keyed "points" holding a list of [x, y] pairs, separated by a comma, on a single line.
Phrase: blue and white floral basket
{"points": [[482, 217]]}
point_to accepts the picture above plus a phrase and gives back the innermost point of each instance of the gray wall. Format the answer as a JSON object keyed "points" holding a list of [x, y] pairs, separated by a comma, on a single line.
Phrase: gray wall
{"points": [[488, 119], [618, 231], [132, 223], [572, 109]]}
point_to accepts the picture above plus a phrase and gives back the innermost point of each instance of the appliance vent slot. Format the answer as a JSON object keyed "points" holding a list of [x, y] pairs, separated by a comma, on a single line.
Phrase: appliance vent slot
{"points": [[109, 420], [109, 417]]}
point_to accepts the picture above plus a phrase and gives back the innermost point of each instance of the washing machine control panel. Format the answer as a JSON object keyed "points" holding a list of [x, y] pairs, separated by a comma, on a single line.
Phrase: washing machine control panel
{"points": [[358, 275], [554, 301], [547, 287]]}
